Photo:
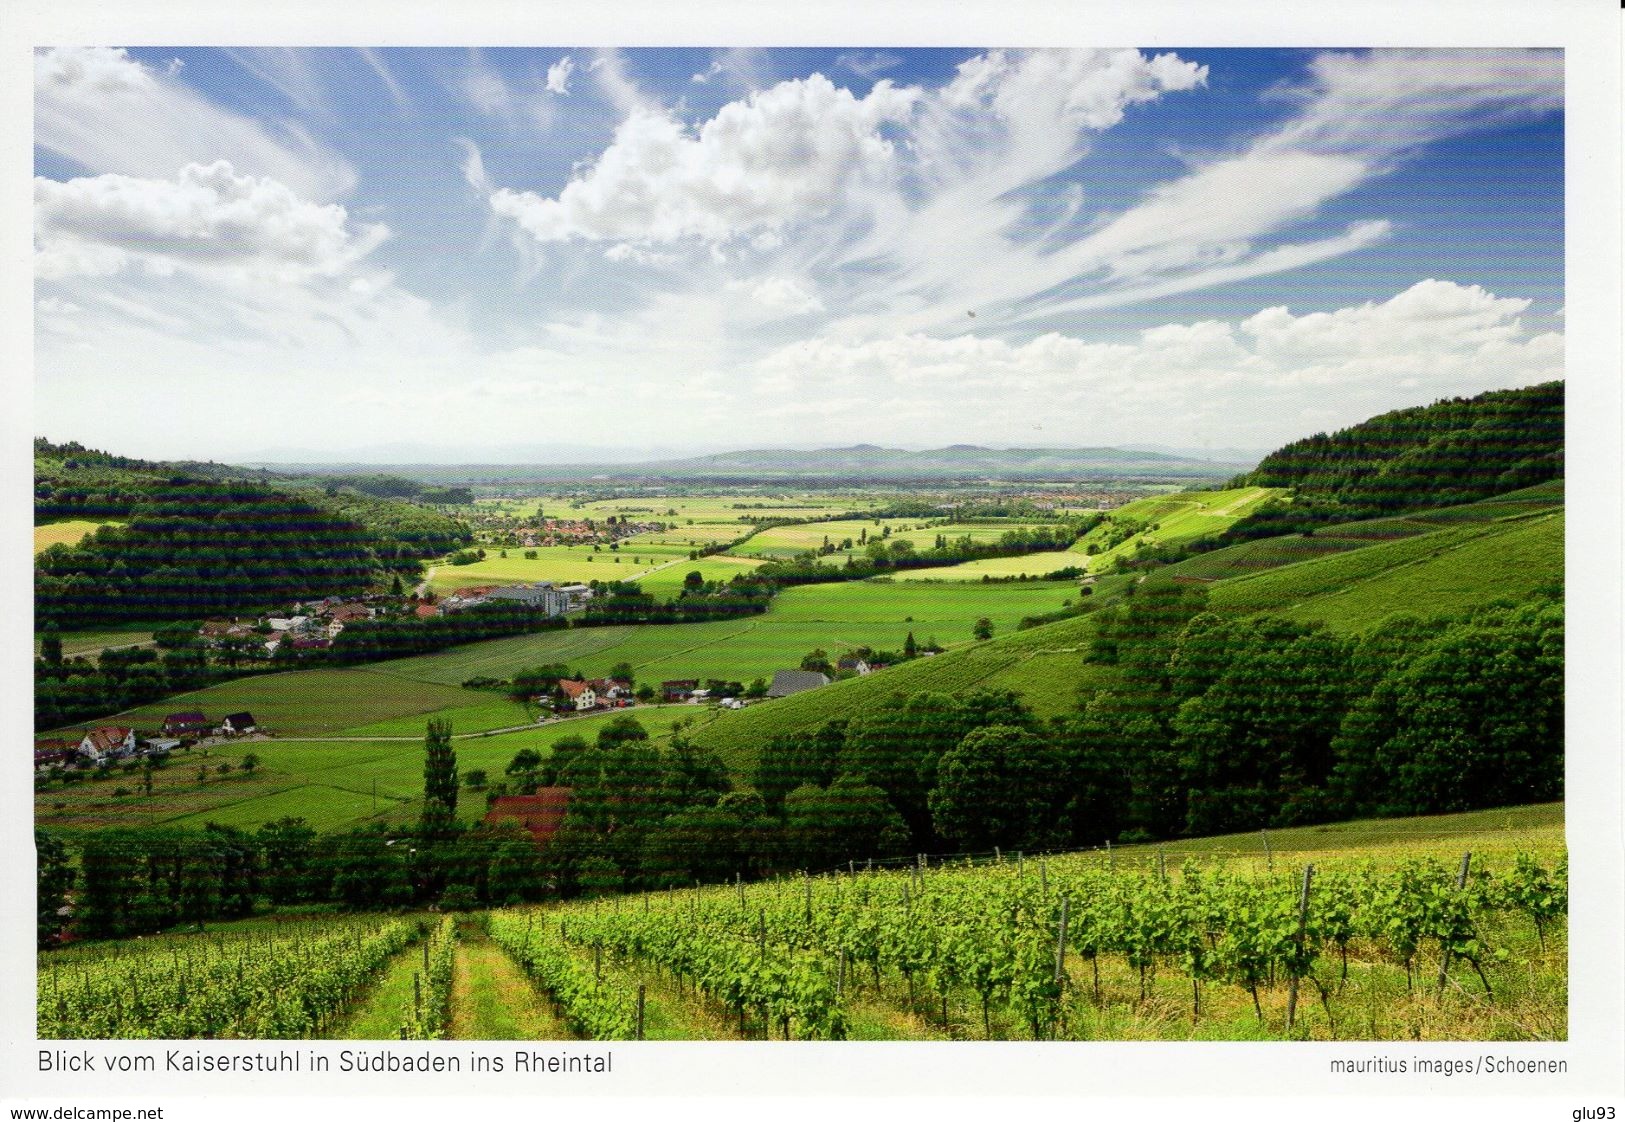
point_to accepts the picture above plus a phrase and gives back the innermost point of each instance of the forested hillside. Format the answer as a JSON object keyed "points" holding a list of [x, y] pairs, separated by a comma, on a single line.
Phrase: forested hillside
{"points": [[206, 538], [1451, 452]]}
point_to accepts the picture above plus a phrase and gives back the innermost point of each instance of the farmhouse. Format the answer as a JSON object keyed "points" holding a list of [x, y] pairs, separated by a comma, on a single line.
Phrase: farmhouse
{"points": [[580, 695], [613, 690], [51, 753], [110, 742], [856, 665], [787, 682], [539, 815], [678, 689], [190, 723], [238, 724]]}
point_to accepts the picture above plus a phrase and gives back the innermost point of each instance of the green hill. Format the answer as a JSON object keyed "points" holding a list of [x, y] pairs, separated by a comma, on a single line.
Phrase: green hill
{"points": [[1445, 562]]}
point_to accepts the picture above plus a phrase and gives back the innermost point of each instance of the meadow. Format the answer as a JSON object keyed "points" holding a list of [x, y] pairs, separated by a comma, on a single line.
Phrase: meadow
{"points": [[561, 564], [1438, 573], [66, 532], [834, 617], [374, 773]]}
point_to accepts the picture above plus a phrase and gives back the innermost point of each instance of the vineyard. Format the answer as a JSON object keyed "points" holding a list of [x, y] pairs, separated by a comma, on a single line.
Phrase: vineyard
{"points": [[1090, 946]]}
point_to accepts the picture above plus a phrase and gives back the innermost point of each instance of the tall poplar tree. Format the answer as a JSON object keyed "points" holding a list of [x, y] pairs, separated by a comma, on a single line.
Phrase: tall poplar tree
{"points": [[439, 780]]}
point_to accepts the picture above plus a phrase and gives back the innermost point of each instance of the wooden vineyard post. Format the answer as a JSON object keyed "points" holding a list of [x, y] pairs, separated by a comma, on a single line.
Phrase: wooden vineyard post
{"points": [[998, 858], [739, 884], [1461, 883], [417, 993], [425, 956], [640, 1011], [806, 883], [1162, 864], [1021, 864], [851, 867], [1297, 942], [597, 962], [1269, 855], [1111, 861], [1060, 960], [1043, 879]]}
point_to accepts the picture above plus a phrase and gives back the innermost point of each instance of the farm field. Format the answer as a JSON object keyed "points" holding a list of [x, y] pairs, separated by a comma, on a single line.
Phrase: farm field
{"points": [[67, 532], [303, 702], [727, 509], [561, 564], [93, 642], [895, 954], [835, 617], [1030, 565], [782, 542]]}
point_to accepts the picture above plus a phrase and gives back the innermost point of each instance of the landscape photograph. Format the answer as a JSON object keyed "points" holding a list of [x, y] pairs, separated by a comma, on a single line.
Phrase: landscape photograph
{"points": [[799, 544]]}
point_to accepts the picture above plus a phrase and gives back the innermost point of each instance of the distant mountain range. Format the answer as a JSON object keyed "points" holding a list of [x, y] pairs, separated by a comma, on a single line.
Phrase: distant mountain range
{"points": [[866, 463]]}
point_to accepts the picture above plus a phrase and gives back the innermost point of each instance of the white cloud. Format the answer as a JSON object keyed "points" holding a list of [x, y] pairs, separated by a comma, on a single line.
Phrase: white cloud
{"points": [[558, 76], [1435, 339], [109, 113], [869, 65], [782, 295], [209, 216], [781, 155]]}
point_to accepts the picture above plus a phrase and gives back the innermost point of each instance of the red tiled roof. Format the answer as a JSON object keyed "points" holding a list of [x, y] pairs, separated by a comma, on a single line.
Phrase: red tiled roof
{"points": [[571, 689], [540, 814], [108, 736]]}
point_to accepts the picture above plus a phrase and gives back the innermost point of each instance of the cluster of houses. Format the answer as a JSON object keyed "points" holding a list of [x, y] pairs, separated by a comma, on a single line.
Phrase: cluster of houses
{"points": [[109, 743], [554, 600], [591, 693], [577, 531], [308, 626]]}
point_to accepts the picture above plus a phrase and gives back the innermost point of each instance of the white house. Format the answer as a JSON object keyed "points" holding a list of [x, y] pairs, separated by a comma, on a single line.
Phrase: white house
{"points": [[580, 694], [110, 742]]}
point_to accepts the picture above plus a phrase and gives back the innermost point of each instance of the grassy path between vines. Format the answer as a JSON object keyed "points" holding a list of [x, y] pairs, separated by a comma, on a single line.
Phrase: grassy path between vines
{"points": [[387, 1005], [491, 999]]}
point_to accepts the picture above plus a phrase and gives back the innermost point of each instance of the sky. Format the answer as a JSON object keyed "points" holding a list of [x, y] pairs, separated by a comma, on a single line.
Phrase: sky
{"points": [[534, 255]]}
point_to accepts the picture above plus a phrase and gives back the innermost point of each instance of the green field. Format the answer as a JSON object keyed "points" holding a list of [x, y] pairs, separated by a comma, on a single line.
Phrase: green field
{"points": [[1176, 519], [93, 642], [835, 617], [1028, 565], [333, 784], [303, 702], [561, 564], [782, 542], [1431, 574], [67, 532]]}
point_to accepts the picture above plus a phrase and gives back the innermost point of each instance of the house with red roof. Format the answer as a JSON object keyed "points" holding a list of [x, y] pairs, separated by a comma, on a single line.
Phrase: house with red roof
{"points": [[109, 742], [540, 815], [579, 695]]}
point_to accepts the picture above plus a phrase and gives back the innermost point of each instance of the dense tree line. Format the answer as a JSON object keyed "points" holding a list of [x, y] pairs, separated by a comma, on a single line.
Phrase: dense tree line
{"points": [[67, 690], [396, 636], [699, 600], [196, 549], [1455, 451]]}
